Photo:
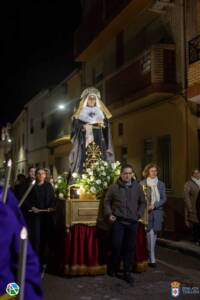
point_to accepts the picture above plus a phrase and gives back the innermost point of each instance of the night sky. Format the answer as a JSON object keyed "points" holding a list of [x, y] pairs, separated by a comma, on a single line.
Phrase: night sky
{"points": [[37, 50]]}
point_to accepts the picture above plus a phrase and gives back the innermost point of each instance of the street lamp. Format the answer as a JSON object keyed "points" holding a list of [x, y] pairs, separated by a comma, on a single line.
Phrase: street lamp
{"points": [[61, 106]]}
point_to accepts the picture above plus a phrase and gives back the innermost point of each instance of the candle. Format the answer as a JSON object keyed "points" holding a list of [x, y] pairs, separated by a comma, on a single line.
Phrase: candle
{"points": [[7, 180], [22, 262], [26, 193]]}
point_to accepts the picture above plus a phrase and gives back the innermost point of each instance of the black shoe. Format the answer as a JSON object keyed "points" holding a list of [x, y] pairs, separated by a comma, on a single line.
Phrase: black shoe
{"points": [[152, 265], [111, 273], [129, 278]]}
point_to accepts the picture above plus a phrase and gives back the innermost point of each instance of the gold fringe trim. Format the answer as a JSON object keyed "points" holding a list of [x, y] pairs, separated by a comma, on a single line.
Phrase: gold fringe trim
{"points": [[142, 266], [85, 270]]}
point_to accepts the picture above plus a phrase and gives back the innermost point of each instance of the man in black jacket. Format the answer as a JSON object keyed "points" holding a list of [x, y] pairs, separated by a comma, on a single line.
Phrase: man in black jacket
{"points": [[124, 205]]}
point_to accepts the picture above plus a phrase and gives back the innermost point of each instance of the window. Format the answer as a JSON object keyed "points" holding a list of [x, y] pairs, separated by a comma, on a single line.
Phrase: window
{"points": [[198, 132], [169, 65], [124, 154], [23, 139], [148, 152], [164, 160], [198, 110], [42, 124], [120, 129], [120, 49], [146, 62], [31, 126]]}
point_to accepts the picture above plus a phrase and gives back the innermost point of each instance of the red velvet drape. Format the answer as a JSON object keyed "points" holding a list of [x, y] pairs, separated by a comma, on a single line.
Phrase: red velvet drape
{"points": [[85, 255]]}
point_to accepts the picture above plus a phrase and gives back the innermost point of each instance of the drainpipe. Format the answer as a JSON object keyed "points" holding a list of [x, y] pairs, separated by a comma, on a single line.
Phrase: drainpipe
{"points": [[185, 86]]}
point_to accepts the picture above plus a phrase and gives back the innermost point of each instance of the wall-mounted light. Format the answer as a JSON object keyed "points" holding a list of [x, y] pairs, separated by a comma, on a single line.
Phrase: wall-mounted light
{"points": [[61, 106]]}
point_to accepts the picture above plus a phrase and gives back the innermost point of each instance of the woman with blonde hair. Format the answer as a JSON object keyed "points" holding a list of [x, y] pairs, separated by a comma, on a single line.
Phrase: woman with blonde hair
{"points": [[156, 197]]}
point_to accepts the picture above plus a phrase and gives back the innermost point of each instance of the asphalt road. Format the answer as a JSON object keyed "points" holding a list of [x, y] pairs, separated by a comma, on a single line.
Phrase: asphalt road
{"points": [[153, 284]]}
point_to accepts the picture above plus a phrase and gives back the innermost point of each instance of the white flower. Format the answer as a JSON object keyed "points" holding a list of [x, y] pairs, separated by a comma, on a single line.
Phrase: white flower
{"points": [[61, 195], [113, 165], [98, 181], [108, 177], [118, 163], [102, 168], [59, 177], [93, 190], [105, 184], [105, 163], [88, 170], [74, 175], [118, 172], [84, 176], [91, 178], [56, 186], [90, 173], [104, 174], [59, 181]]}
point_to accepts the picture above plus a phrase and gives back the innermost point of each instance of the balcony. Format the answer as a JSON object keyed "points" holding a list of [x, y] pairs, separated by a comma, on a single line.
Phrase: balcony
{"points": [[152, 74], [194, 49], [193, 91]]}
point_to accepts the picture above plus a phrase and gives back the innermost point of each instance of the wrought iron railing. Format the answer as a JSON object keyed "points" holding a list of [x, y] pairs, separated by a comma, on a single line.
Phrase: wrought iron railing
{"points": [[194, 49]]}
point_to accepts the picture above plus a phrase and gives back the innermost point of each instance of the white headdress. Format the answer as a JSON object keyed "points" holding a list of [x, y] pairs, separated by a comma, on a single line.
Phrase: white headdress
{"points": [[84, 97]]}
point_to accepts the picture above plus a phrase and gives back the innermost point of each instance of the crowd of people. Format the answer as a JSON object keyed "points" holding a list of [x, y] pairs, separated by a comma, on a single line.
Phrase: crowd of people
{"points": [[126, 202]]}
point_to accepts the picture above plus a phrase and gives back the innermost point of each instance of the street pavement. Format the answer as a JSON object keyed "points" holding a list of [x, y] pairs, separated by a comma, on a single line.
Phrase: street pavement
{"points": [[153, 284]]}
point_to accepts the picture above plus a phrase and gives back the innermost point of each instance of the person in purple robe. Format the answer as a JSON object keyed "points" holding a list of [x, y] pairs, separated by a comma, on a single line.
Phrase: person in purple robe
{"points": [[11, 223]]}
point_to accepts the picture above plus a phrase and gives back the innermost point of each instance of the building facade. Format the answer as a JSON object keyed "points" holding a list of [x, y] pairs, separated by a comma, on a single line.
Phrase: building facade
{"points": [[37, 150], [41, 133], [136, 52], [19, 144]]}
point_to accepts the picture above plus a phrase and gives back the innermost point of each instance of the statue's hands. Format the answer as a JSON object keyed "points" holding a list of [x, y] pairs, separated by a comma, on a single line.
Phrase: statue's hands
{"points": [[100, 123], [87, 126]]}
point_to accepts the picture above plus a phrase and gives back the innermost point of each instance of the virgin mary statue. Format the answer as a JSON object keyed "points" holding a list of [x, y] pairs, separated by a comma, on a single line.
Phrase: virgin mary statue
{"points": [[90, 133]]}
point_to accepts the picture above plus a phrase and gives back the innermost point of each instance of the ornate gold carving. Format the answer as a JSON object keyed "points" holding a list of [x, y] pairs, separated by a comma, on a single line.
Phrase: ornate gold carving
{"points": [[93, 154]]}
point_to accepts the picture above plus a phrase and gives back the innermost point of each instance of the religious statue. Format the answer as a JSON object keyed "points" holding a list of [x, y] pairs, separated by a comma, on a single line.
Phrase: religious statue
{"points": [[90, 134]]}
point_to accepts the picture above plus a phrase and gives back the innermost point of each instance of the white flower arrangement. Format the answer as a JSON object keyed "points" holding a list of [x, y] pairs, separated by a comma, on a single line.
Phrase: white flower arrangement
{"points": [[61, 187], [74, 175], [93, 190], [61, 195], [98, 177]]}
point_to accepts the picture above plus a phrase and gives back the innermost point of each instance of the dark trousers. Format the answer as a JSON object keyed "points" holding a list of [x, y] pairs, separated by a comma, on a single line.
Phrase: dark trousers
{"points": [[123, 238], [41, 229], [196, 232]]}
